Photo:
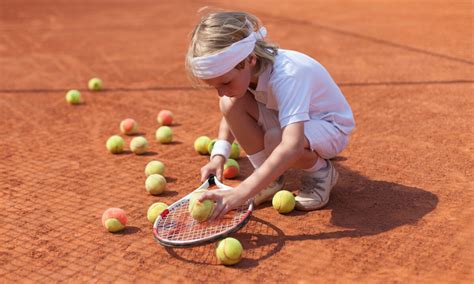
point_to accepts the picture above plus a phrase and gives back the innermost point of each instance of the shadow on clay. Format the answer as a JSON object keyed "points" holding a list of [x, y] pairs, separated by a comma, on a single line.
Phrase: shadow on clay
{"points": [[148, 154], [137, 134], [170, 179], [173, 143], [129, 230], [359, 207]]}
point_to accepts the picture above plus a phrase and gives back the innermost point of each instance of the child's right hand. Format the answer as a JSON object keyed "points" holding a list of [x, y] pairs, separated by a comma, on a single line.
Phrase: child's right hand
{"points": [[215, 166]]}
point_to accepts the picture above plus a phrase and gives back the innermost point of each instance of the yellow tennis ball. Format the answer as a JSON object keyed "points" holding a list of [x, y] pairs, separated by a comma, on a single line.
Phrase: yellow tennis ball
{"points": [[115, 144], [210, 146], [194, 196], [155, 184], [200, 211], [154, 167], [200, 145], [164, 135], [235, 151], [73, 97], [229, 251], [139, 145], [95, 84], [114, 219], [283, 201], [155, 210]]}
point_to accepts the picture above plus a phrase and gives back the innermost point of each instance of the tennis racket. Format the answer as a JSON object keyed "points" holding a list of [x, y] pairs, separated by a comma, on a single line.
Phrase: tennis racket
{"points": [[175, 227]]}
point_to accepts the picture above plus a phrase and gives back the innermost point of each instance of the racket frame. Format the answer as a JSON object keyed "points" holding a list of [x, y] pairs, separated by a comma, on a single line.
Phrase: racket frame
{"points": [[212, 180]]}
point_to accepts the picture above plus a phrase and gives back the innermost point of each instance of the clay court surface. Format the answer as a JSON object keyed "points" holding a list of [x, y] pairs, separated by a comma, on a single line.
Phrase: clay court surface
{"points": [[401, 212]]}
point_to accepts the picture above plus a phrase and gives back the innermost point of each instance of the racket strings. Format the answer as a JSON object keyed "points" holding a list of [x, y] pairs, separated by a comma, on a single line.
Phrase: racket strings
{"points": [[178, 225]]}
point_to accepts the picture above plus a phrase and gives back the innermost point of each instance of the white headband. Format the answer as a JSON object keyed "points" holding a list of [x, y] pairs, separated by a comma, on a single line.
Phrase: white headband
{"points": [[217, 64]]}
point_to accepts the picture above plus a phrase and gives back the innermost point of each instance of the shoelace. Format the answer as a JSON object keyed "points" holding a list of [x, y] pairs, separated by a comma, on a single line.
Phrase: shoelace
{"points": [[311, 184]]}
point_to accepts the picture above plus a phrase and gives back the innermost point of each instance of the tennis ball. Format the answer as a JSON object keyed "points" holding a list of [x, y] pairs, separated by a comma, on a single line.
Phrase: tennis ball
{"points": [[283, 201], [114, 219], [139, 145], [154, 167], [165, 117], [194, 196], [164, 135], [210, 146], [73, 97], [200, 211], [115, 144], [235, 151], [229, 251], [155, 184], [231, 169], [128, 126], [95, 84], [201, 145], [154, 210]]}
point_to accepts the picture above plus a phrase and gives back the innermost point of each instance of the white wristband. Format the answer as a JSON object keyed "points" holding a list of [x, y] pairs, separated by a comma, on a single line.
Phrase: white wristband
{"points": [[221, 147]]}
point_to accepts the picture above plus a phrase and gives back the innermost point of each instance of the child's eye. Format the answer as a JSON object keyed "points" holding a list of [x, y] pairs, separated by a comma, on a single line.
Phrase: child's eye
{"points": [[226, 83]]}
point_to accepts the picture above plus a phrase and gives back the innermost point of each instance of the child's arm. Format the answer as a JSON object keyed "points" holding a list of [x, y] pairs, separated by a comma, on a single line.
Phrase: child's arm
{"points": [[284, 155], [224, 131], [216, 165]]}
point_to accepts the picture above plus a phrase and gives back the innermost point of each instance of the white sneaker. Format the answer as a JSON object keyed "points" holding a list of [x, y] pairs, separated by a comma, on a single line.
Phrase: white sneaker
{"points": [[267, 193], [316, 188]]}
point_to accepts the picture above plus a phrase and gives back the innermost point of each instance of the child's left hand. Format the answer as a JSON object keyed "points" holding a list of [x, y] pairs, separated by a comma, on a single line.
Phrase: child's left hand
{"points": [[226, 200]]}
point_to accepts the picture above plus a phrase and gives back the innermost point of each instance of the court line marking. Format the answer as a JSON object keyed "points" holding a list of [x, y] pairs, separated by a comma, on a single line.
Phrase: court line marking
{"points": [[185, 88]]}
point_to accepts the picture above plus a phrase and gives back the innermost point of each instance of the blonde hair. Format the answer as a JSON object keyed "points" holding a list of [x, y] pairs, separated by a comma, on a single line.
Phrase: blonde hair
{"points": [[218, 30]]}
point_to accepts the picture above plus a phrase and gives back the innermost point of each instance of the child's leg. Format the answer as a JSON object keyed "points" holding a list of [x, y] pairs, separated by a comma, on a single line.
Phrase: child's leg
{"points": [[247, 118], [248, 121], [242, 117], [318, 181], [272, 138]]}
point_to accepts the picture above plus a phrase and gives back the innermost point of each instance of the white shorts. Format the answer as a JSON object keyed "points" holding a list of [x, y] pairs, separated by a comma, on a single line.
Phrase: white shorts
{"points": [[323, 137]]}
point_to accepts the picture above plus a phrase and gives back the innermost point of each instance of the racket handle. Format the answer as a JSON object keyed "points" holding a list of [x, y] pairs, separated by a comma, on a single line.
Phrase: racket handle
{"points": [[211, 180]]}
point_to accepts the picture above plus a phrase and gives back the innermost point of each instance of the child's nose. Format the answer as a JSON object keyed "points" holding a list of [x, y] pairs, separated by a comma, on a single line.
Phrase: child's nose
{"points": [[221, 92]]}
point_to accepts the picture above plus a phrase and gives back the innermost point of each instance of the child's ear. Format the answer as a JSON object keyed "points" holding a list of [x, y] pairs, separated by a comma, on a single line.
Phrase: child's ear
{"points": [[252, 59]]}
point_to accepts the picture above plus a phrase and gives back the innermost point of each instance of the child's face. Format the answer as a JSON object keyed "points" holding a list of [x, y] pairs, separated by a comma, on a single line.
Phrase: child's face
{"points": [[234, 83]]}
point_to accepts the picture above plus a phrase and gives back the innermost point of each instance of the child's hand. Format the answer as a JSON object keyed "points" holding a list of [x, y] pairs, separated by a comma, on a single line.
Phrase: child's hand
{"points": [[226, 200], [215, 166]]}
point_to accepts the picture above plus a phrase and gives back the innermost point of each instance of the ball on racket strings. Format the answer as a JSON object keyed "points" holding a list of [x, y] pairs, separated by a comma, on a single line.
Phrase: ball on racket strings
{"points": [[200, 211]]}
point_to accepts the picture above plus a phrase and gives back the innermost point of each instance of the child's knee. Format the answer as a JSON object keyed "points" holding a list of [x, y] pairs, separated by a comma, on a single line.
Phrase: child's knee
{"points": [[245, 104], [272, 138]]}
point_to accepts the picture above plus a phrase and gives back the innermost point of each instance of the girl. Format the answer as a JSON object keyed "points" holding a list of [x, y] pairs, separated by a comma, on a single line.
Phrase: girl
{"points": [[281, 105]]}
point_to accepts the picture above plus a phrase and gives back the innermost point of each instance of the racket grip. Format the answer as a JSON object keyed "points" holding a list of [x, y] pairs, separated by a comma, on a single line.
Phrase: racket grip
{"points": [[211, 180]]}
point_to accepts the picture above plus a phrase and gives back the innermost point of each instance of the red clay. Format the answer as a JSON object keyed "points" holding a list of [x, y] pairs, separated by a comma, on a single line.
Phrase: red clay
{"points": [[401, 212]]}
